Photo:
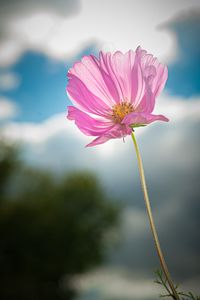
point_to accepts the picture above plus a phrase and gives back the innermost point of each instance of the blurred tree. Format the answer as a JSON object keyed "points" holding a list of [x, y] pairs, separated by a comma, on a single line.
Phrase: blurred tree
{"points": [[49, 231], [8, 164]]}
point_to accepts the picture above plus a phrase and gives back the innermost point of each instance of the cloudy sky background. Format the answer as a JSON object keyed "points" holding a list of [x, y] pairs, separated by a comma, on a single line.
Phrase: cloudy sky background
{"points": [[39, 41]]}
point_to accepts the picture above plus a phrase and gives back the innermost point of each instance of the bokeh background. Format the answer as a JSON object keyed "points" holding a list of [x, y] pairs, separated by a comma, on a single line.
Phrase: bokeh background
{"points": [[72, 219]]}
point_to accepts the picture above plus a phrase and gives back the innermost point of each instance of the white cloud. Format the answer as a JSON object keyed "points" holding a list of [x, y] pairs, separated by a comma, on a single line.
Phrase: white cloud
{"points": [[134, 223], [61, 7], [11, 49], [34, 133], [178, 109], [113, 24], [119, 283], [116, 284], [8, 108], [8, 81]]}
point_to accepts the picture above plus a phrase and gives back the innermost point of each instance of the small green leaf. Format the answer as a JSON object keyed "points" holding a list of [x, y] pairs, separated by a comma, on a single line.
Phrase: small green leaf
{"points": [[137, 125]]}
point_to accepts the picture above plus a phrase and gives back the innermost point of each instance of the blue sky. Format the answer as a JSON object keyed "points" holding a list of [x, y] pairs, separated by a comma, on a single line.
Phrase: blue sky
{"points": [[184, 73], [41, 92]]}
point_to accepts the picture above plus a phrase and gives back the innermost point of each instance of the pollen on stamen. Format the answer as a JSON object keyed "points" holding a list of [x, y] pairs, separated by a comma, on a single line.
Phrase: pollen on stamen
{"points": [[119, 111]]}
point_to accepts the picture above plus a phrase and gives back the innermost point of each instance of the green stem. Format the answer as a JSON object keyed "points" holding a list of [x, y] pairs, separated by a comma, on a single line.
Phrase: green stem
{"points": [[151, 221]]}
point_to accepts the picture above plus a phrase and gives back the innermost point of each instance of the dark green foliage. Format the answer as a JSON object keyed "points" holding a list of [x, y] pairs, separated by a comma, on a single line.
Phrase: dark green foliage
{"points": [[49, 231], [8, 163]]}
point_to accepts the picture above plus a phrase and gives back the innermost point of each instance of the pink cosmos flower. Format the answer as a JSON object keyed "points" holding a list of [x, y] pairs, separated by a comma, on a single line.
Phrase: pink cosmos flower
{"points": [[115, 93]]}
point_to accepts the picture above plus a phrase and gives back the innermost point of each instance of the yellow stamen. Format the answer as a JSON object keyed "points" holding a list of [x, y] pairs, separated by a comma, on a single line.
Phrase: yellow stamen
{"points": [[120, 111]]}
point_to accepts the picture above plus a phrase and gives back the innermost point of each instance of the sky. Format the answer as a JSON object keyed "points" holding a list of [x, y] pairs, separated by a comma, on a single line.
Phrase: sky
{"points": [[39, 42]]}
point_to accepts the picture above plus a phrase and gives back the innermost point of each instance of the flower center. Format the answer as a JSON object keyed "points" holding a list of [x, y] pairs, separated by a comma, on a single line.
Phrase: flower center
{"points": [[119, 111]]}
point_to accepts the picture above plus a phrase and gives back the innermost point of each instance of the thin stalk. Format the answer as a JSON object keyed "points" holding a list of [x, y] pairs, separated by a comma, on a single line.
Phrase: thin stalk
{"points": [[151, 221]]}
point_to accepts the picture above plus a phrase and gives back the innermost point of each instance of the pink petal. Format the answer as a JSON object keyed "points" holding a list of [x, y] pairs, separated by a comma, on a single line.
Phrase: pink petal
{"points": [[138, 84], [142, 118], [100, 140], [155, 75], [160, 80], [87, 124], [147, 102], [119, 67], [108, 81], [106, 65], [117, 131], [80, 95], [121, 64], [125, 71], [89, 72]]}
